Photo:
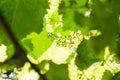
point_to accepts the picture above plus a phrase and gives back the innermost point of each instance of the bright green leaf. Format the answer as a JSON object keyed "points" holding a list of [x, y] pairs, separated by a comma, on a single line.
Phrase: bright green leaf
{"points": [[39, 43]]}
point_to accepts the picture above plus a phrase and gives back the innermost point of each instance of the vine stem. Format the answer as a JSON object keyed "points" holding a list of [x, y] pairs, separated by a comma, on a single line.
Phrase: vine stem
{"points": [[19, 51]]}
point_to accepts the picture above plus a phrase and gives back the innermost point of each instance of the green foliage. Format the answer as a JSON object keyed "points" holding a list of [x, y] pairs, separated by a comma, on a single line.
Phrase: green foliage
{"points": [[68, 21], [107, 75], [116, 76], [3, 37], [105, 24], [53, 73], [24, 16], [85, 55], [81, 3], [64, 39], [36, 44]]}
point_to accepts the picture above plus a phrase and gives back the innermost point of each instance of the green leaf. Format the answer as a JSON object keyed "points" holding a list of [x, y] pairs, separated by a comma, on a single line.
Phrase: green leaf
{"points": [[80, 19], [73, 3], [10, 51], [57, 72], [68, 21], [24, 16], [85, 56], [81, 3], [107, 24], [37, 44], [115, 6], [107, 75], [27, 44], [4, 39], [116, 76], [71, 56]]}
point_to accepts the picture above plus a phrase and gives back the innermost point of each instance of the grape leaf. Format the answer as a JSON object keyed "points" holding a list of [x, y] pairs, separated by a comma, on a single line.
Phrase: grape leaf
{"points": [[57, 72], [3, 37], [107, 24], [73, 14], [85, 56], [27, 44], [80, 3], [68, 21], [4, 40], [36, 44], [10, 51], [115, 6], [107, 75], [116, 76], [24, 16], [80, 19]]}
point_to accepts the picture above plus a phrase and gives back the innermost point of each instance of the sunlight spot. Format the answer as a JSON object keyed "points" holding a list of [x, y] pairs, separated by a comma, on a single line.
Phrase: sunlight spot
{"points": [[57, 54], [73, 49], [45, 69], [60, 17], [89, 1], [87, 37], [53, 1], [73, 69], [53, 6], [59, 24], [72, 33], [13, 75], [79, 32], [95, 64], [87, 14], [27, 73], [58, 34], [3, 54], [4, 76], [47, 18], [116, 64], [107, 53], [49, 28], [94, 33], [32, 59], [47, 66]]}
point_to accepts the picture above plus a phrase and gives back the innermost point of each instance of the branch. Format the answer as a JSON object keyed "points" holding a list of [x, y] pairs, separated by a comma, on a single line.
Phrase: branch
{"points": [[19, 51]]}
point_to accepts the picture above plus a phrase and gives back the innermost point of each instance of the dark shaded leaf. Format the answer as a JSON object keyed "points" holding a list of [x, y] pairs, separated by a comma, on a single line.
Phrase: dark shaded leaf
{"points": [[107, 23], [57, 72], [85, 57], [24, 16], [107, 75], [116, 76], [80, 19], [68, 21]]}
